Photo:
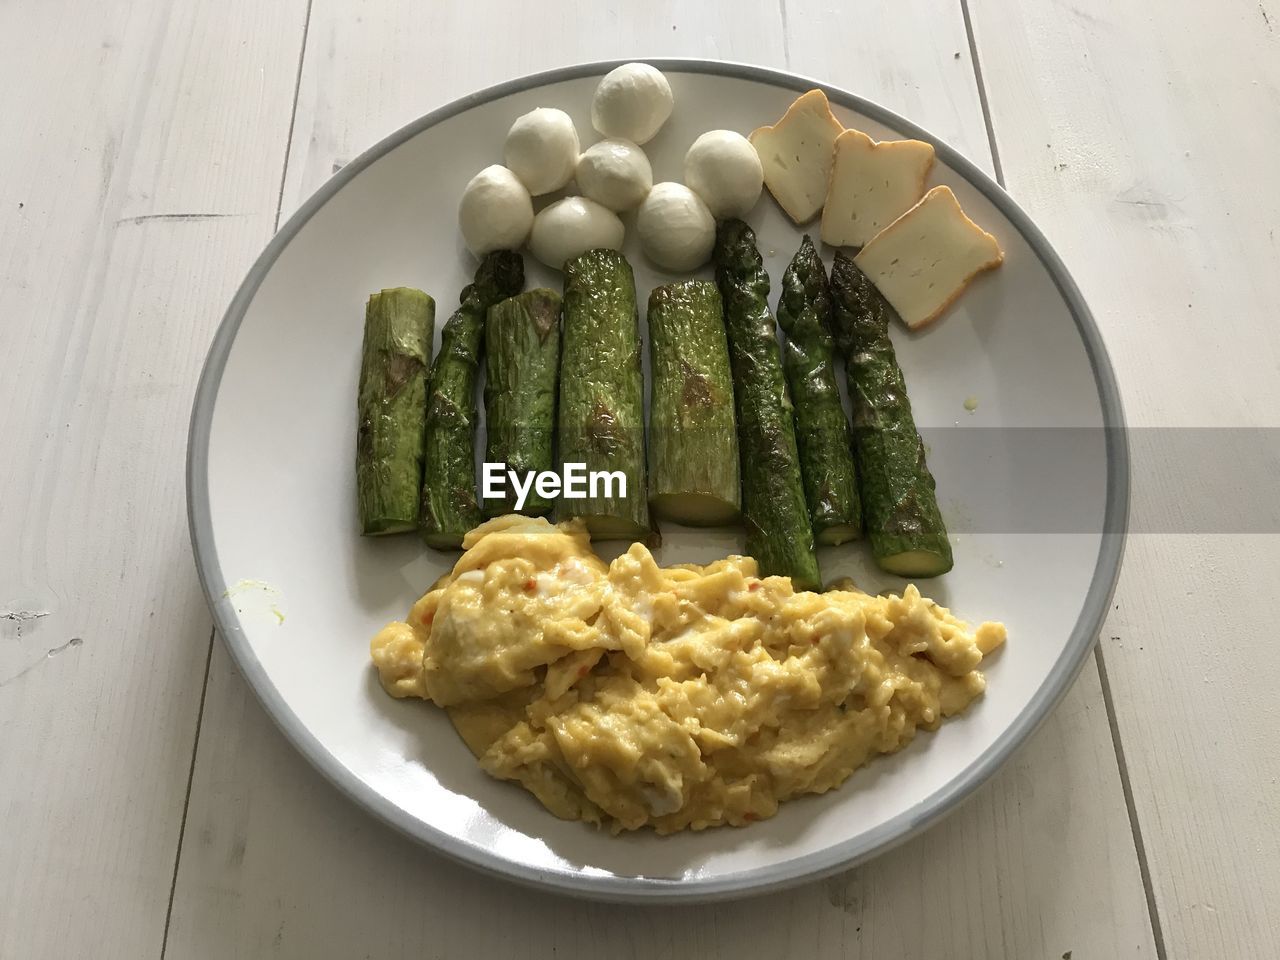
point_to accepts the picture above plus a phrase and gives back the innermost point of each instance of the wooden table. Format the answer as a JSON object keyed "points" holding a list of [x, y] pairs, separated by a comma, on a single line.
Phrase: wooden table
{"points": [[148, 807]]}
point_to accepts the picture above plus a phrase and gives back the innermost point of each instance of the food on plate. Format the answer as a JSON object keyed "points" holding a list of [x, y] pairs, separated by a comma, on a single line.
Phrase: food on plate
{"points": [[723, 168], [631, 102], [630, 695], [923, 260], [796, 155], [615, 174], [542, 149], [779, 534], [496, 212], [625, 694], [600, 421], [872, 184], [822, 430], [677, 231], [573, 226], [781, 454], [399, 324], [522, 366], [899, 502], [693, 441], [449, 507]]}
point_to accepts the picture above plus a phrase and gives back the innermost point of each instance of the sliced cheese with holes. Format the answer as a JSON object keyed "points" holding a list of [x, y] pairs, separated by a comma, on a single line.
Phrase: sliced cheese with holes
{"points": [[924, 259], [796, 155], [872, 184]]}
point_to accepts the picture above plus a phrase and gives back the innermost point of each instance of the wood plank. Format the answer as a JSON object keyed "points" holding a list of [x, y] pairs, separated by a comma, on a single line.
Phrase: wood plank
{"points": [[1144, 140], [277, 863], [911, 56], [1040, 862], [140, 175], [371, 70]]}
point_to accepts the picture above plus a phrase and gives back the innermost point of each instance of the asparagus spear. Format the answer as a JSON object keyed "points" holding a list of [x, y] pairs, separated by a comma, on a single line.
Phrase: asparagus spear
{"points": [[693, 442], [601, 416], [520, 390], [908, 537], [822, 430], [449, 507], [779, 534], [398, 327]]}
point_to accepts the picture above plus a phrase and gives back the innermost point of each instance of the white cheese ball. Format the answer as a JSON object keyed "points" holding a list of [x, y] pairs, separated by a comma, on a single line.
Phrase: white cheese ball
{"points": [[572, 226], [542, 149], [496, 211], [723, 168], [632, 103], [677, 231], [615, 173]]}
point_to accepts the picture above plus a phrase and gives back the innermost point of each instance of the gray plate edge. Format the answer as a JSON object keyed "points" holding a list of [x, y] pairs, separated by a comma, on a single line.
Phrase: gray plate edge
{"points": [[648, 889]]}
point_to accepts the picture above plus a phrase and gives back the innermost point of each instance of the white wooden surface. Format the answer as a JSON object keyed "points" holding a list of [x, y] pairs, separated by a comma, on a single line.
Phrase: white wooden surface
{"points": [[139, 176], [1000, 845], [143, 813], [1143, 138]]}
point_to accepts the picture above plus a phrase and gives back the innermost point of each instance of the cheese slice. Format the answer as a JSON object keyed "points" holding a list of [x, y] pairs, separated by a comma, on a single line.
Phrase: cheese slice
{"points": [[924, 259], [796, 155], [872, 184]]}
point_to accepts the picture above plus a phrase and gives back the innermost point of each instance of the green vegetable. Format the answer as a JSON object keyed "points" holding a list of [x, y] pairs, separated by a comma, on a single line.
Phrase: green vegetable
{"points": [[908, 537], [693, 442], [398, 327], [520, 391], [449, 507], [822, 430], [601, 416], [779, 534]]}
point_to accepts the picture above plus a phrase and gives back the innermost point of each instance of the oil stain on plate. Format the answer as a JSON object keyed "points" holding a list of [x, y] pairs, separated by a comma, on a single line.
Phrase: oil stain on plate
{"points": [[255, 597]]}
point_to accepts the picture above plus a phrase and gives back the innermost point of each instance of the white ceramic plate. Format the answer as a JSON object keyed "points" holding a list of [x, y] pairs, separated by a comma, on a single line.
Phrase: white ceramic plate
{"points": [[273, 521]]}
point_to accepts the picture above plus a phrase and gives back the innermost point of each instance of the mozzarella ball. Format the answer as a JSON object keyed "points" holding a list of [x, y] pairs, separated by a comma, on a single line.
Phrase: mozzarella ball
{"points": [[496, 211], [677, 230], [614, 173], [572, 226], [542, 149], [723, 168], [632, 103]]}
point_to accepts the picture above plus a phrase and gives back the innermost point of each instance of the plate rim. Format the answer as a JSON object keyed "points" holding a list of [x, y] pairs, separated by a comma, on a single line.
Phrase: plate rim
{"points": [[757, 880]]}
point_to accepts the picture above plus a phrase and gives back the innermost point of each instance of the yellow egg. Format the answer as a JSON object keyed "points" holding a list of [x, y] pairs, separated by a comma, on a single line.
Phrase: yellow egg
{"points": [[630, 695]]}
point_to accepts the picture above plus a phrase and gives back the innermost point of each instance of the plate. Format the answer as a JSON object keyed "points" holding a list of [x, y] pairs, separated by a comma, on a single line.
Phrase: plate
{"points": [[1033, 483]]}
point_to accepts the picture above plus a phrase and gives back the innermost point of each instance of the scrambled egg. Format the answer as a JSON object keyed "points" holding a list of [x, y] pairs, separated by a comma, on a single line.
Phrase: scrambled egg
{"points": [[630, 695]]}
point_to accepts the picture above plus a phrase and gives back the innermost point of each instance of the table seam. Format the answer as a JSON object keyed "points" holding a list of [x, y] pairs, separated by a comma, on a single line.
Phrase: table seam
{"points": [[1108, 704], [204, 688], [186, 802]]}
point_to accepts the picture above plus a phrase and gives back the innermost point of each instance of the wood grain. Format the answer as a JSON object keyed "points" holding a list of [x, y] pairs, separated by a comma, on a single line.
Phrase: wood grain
{"points": [[142, 162], [1144, 139], [277, 863], [1040, 862], [373, 68]]}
